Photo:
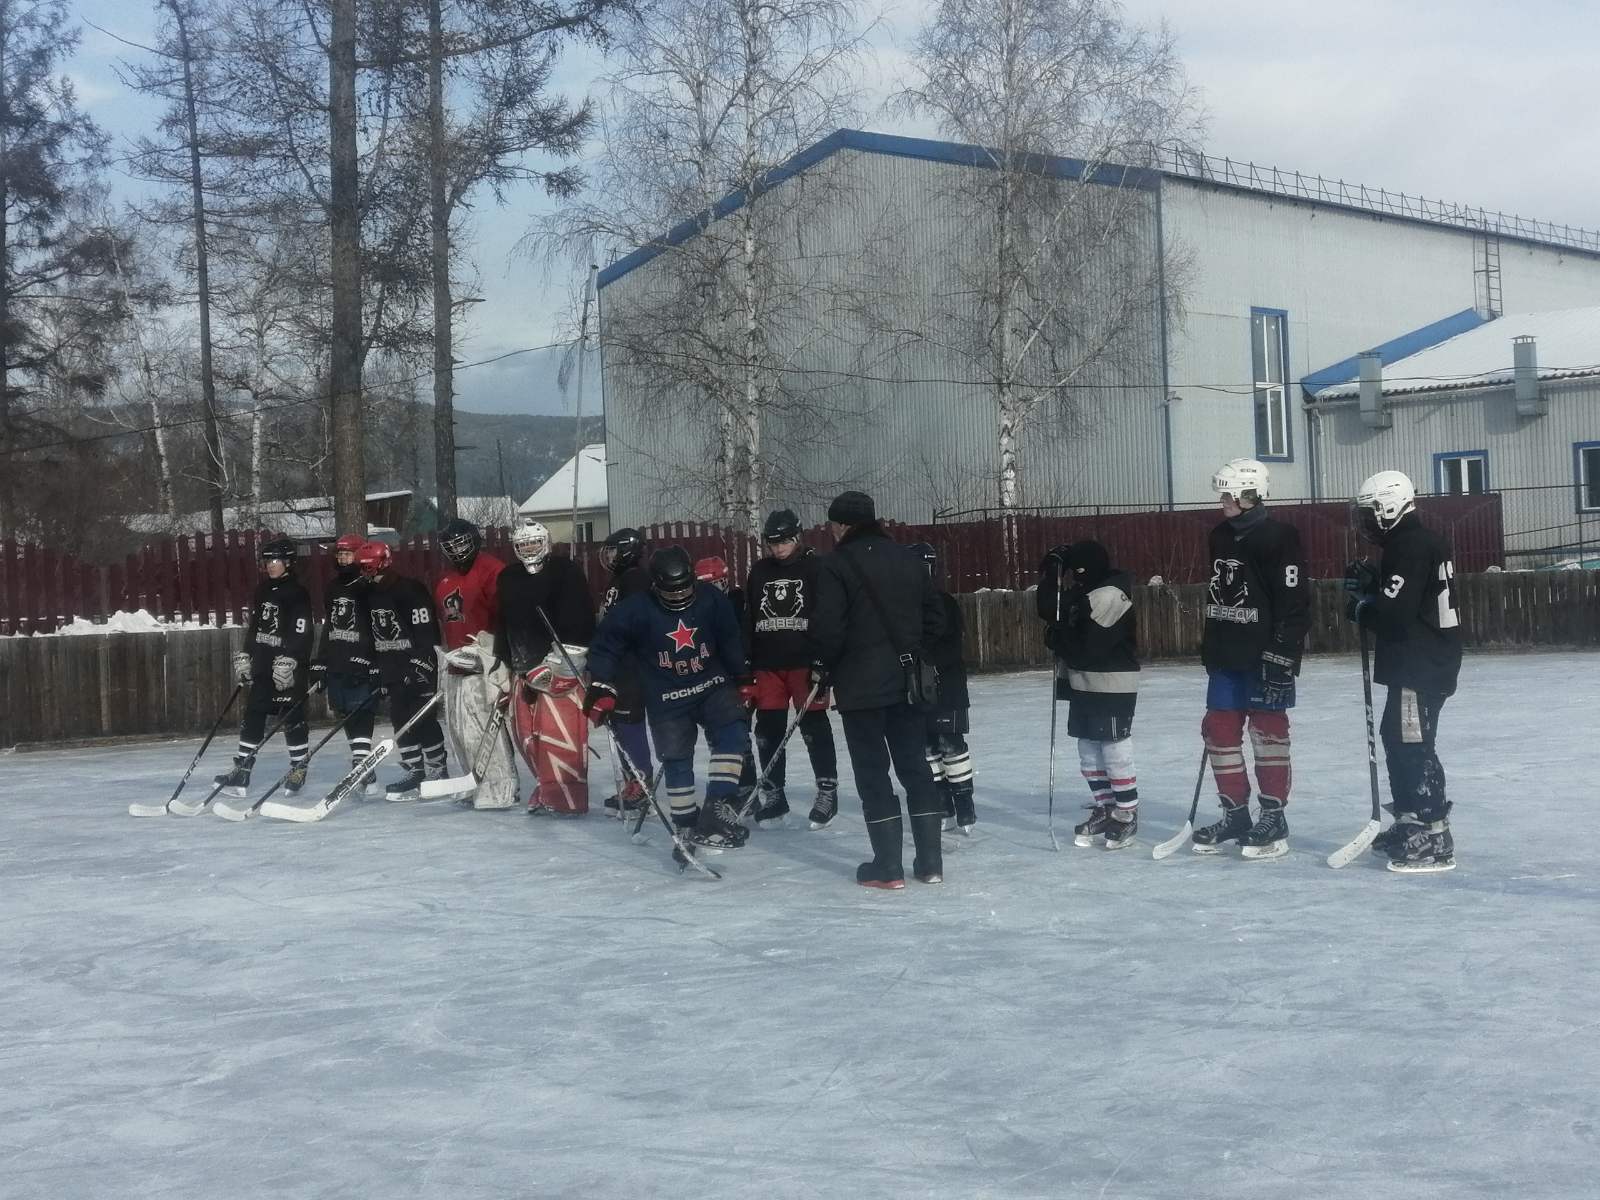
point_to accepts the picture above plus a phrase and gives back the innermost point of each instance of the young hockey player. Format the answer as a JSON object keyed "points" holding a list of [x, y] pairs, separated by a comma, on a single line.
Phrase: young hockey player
{"points": [[1256, 619], [549, 718], [343, 663], [622, 555], [780, 594], [1408, 604], [404, 634], [713, 570], [465, 595], [277, 649], [1089, 609], [686, 641], [948, 756]]}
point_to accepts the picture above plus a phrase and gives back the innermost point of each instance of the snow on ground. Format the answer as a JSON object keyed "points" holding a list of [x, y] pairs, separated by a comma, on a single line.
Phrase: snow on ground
{"points": [[424, 1001]]}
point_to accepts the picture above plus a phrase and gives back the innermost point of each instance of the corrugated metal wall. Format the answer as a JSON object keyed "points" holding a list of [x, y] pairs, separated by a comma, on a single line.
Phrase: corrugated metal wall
{"points": [[1530, 458]]}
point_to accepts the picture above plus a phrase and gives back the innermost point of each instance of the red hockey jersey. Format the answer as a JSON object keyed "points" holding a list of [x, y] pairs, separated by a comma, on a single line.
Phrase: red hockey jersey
{"points": [[468, 604]]}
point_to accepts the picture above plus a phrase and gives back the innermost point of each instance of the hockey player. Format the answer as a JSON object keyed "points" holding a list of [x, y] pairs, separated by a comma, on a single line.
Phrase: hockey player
{"points": [[713, 570], [343, 664], [948, 756], [465, 595], [1408, 603], [622, 555], [274, 664], [686, 641], [549, 718], [781, 593], [1098, 675], [405, 631], [1256, 620]]}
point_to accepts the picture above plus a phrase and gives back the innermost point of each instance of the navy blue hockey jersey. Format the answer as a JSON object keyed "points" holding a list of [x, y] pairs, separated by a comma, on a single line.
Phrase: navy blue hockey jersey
{"points": [[682, 656]]}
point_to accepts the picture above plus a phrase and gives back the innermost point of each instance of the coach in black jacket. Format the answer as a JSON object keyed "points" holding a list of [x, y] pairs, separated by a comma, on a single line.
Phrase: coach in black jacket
{"points": [[854, 651]]}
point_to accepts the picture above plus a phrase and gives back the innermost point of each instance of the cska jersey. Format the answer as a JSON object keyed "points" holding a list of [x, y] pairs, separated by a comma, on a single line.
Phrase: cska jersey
{"points": [[468, 603], [683, 656]]}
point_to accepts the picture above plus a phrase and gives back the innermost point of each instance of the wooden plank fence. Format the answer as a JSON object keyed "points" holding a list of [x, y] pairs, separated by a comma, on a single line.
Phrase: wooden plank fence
{"points": [[141, 684]]}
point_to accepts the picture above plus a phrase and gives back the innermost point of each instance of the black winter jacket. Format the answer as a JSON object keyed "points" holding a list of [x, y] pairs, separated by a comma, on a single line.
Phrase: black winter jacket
{"points": [[849, 638], [1096, 641]]}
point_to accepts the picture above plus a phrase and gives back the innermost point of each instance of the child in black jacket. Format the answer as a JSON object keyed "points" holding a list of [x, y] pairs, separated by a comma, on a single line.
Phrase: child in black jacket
{"points": [[948, 755], [1089, 607]]}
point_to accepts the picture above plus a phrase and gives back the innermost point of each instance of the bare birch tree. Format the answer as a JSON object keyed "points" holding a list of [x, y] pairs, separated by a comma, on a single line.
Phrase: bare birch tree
{"points": [[1059, 271]]}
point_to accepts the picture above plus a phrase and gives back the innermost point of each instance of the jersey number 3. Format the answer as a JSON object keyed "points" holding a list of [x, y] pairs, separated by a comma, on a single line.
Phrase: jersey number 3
{"points": [[1448, 617]]}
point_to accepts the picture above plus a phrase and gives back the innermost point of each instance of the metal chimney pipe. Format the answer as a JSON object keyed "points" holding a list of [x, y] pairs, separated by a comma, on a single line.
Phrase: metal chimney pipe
{"points": [[1373, 413], [1525, 377]]}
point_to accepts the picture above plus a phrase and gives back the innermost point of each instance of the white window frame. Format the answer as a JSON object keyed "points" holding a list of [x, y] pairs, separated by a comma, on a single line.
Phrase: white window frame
{"points": [[1460, 463], [1584, 477], [1269, 372]]}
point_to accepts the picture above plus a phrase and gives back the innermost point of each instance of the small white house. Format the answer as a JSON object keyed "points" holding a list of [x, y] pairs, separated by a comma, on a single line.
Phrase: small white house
{"points": [[552, 502]]}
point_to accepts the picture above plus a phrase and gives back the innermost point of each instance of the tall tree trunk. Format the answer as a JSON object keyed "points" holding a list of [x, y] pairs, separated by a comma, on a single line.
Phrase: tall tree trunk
{"points": [[344, 357], [9, 461], [444, 429], [202, 268], [755, 477]]}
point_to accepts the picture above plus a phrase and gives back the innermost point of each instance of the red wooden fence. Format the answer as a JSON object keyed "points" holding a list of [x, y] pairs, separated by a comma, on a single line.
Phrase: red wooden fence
{"points": [[209, 580]]}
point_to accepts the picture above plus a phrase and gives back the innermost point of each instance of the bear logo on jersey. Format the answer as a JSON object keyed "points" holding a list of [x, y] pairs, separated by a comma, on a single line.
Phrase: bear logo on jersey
{"points": [[455, 607], [267, 617], [342, 614], [386, 633], [1229, 594], [782, 602]]}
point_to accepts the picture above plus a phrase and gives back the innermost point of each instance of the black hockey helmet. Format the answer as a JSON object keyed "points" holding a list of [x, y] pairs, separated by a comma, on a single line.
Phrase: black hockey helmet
{"points": [[927, 556], [280, 548], [622, 550], [780, 526], [1088, 563], [460, 541], [672, 578]]}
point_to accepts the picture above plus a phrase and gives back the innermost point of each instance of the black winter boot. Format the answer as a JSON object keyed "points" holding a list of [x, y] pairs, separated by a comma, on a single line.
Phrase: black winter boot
{"points": [[884, 871], [926, 836]]}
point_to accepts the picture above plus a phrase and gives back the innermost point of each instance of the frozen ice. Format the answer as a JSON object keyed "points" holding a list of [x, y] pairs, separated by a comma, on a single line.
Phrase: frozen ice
{"points": [[426, 1001]]}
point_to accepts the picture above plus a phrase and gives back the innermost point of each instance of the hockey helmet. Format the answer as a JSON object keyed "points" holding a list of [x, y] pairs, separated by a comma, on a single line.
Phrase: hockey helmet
{"points": [[375, 558], [278, 549], [1243, 479], [672, 578], [781, 526], [622, 550], [1088, 562], [530, 542], [1382, 501], [460, 541], [351, 542], [712, 570], [927, 556]]}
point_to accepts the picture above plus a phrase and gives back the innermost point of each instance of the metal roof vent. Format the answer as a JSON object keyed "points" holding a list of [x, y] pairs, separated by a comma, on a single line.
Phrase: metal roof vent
{"points": [[1525, 375], [1374, 415]]}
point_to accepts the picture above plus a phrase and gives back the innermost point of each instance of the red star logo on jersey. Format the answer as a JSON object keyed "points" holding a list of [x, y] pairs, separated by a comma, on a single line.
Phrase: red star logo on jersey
{"points": [[683, 636]]}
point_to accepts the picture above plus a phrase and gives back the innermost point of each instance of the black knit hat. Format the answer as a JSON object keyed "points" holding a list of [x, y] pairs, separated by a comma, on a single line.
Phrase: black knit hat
{"points": [[852, 508]]}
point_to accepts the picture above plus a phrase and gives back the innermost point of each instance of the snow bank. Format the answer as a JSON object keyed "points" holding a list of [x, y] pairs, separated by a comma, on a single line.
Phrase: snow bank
{"points": [[139, 621]]}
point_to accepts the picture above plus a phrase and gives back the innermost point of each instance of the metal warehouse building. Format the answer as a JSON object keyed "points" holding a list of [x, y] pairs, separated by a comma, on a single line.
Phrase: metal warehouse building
{"points": [[1285, 281]]}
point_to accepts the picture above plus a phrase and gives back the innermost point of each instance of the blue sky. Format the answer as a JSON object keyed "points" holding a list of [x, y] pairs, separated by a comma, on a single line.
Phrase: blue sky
{"points": [[1470, 101]]}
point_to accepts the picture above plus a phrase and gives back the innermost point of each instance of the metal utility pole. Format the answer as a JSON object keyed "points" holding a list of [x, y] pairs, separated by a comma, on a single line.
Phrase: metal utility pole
{"points": [[577, 425]]}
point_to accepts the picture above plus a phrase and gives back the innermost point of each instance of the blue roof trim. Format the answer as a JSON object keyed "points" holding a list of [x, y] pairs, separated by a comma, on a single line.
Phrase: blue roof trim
{"points": [[1407, 344], [926, 149]]}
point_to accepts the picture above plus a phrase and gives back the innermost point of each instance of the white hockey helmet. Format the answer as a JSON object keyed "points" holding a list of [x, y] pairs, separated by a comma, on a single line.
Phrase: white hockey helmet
{"points": [[1243, 479], [1383, 499], [530, 542]]}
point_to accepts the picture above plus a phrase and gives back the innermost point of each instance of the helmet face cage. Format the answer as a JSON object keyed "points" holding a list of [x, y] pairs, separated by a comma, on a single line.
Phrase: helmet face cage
{"points": [[531, 544], [674, 597], [621, 550], [672, 579], [460, 547], [1383, 500]]}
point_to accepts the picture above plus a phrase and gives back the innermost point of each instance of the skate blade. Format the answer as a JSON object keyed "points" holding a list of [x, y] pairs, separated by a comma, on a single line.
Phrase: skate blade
{"points": [[774, 823], [1263, 853], [966, 830], [1086, 840], [1122, 845], [1199, 849], [815, 825], [1431, 868], [402, 797]]}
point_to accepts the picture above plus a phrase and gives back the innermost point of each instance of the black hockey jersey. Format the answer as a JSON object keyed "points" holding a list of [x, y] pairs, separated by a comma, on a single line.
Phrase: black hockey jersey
{"points": [[945, 652], [1096, 641], [1413, 616], [779, 599], [558, 588], [404, 626], [1257, 596], [280, 623], [346, 645]]}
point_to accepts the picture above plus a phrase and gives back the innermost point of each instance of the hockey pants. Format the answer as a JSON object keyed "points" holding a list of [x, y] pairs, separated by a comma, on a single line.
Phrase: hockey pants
{"points": [[424, 741], [1108, 770], [261, 704], [1416, 777], [817, 733], [347, 692], [727, 730], [1223, 731]]}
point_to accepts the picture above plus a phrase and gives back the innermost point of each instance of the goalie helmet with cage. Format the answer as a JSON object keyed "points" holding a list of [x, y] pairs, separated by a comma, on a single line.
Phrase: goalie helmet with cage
{"points": [[1243, 479], [1382, 501], [460, 541], [530, 542]]}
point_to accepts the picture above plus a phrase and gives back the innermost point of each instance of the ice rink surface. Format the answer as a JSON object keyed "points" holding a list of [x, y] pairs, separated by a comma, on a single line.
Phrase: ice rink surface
{"points": [[425, 1001]]}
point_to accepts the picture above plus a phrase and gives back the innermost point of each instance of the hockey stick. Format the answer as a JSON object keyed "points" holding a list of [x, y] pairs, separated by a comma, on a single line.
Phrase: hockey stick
{"points": [[179, 809], [1351, 851], [1055, 676], [228, 813], [1178, 839], [343, 789], [160, 810], [681, 851], [761, 777]]}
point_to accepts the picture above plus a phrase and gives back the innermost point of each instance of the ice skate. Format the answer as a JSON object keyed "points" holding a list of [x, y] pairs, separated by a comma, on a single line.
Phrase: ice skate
{"points": [[1428, 848], [826, 807], [966, 811], [717, 829], [1090, 830], [1120, 829], [296, 778], [235, 782], [407, 787], [1392, 840], [1233, 827], [773, 810], [1269, 836]]}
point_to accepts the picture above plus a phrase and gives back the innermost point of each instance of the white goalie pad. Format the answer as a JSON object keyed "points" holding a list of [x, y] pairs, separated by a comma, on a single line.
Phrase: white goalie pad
{"points": [[472, 684]]}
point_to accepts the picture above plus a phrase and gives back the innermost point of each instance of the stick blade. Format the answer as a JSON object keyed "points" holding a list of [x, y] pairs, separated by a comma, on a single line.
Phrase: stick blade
{"points": [[1173, 843], [182, 808], [445, 789], [279, 811], [1347, 854], [228, 813], [147, 810]]}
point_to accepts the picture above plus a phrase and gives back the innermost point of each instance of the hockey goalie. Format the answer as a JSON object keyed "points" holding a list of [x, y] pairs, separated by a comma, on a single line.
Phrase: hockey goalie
{"points": [[553, 733], [476, 688]]}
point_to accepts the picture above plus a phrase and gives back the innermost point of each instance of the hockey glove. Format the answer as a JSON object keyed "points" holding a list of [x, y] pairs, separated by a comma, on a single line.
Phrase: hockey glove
{"points": [[747, 691], [539, 678], [818, 677], [1277, 678], [241, 667], [283, 673], [1361, 578], [1355, 608], [319, 676], [375, 679], [599, 702], [420, 673]]}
